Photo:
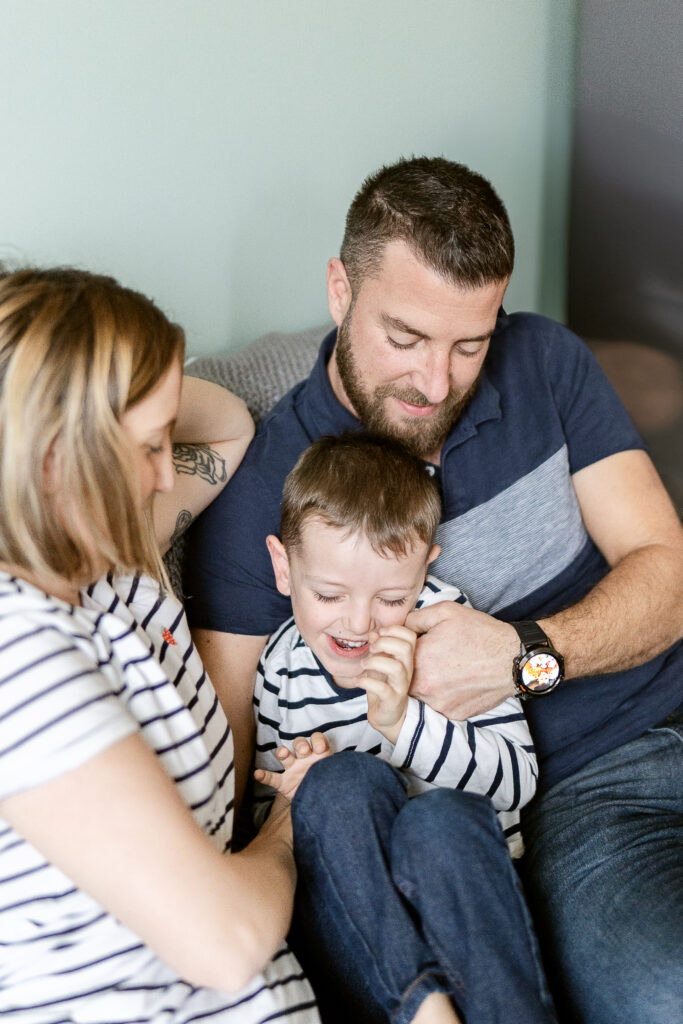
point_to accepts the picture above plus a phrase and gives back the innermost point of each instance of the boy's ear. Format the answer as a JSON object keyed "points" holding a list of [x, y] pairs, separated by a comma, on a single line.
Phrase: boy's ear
{"points": [[338, 290], [433, 554], [278, 557]]}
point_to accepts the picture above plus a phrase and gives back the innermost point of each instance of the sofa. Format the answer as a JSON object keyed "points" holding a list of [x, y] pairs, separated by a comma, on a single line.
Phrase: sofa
{"points": [[261, 373]]}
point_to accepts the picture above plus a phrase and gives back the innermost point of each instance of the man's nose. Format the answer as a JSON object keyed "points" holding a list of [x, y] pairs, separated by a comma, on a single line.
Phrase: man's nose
{"points": [[433, 377]]}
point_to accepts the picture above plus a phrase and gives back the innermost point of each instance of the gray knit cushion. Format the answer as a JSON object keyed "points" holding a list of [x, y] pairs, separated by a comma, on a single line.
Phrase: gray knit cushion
{"points": [[265, 370], [261, 374]]}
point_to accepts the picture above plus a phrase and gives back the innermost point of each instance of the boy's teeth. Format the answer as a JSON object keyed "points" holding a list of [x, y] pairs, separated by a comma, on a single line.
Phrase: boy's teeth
{"points": [[350, 643]]}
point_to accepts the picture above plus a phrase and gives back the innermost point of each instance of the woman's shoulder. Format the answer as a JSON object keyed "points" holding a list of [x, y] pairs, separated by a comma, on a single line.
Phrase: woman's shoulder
{"points": [[29, 614], [58, 687]]}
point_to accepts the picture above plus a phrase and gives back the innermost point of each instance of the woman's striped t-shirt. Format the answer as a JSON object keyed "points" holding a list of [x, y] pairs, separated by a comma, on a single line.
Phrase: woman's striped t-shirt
{"points": [[73, 681]]}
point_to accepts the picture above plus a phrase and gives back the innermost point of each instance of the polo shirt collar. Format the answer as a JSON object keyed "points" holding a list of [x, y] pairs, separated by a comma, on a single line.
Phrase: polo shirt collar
{"points": [[486, 403], [322, 410]]}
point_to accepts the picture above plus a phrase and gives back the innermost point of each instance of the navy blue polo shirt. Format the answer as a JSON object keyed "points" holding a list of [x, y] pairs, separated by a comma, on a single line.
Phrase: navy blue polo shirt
{"points": [[511, 534]]}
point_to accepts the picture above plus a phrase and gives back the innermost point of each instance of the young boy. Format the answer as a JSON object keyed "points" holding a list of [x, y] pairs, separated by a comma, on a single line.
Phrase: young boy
{"points": [[359, 517]]}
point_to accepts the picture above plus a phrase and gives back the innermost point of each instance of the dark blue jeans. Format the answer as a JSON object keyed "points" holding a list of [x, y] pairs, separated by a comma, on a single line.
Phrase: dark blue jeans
{"points": [[399, 898], [604, 875]]}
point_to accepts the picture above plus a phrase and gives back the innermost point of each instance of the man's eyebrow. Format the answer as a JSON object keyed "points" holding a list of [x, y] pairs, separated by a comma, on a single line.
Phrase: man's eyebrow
{"points": [[394, 323]]}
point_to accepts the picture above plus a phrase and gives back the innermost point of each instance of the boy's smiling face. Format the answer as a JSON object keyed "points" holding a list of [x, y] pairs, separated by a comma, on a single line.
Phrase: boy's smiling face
{"points": [[342, 591]]}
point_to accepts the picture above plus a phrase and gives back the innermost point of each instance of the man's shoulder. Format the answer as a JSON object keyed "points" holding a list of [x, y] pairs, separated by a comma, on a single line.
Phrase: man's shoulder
{"points": [[534, 357], [280, 434], [279, 440], [535, 336]]}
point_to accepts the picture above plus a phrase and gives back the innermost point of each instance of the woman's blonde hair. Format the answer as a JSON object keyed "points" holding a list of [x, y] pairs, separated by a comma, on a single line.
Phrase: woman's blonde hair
{"points": [[76, 351]]}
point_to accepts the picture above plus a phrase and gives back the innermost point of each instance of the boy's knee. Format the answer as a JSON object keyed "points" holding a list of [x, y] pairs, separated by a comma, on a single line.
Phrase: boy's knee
{"points": [[350, 779], [451, 816]]}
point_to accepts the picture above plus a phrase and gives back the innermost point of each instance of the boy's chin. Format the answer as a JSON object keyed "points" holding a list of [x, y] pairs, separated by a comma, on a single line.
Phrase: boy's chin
{"points": [[345, 682]]}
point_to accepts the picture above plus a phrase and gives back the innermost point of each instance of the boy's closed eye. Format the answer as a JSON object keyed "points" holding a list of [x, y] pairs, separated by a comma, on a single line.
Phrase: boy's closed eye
{"points": [[394, 602]]}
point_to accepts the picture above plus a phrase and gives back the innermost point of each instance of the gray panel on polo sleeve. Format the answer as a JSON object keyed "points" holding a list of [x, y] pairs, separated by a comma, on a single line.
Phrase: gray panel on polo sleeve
{"points": [[515, 543]]}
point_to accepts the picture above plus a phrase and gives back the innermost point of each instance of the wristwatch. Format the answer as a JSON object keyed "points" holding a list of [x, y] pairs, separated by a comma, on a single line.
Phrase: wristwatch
{"points": [[538, 668]]}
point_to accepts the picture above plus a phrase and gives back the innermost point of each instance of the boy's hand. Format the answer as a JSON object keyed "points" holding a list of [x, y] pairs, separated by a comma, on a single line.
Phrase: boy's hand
{"points": [[386, 678], [295, 763]]}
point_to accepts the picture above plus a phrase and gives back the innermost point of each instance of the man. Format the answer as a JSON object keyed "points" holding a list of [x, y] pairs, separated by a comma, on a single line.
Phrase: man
{"points": [[553, 518]]}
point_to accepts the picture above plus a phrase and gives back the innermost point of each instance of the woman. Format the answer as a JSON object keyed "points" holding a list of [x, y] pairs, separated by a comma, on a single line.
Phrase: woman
{"points": [[120, 899]]}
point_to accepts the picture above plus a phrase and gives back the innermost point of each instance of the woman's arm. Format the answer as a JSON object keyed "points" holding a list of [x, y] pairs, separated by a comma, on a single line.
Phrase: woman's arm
{"points": [[210, 437], [117, 827]]}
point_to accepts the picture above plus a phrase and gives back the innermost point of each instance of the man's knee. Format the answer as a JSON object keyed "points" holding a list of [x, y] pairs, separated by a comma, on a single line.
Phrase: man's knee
{"points": [[596, 988], [611, 938]]}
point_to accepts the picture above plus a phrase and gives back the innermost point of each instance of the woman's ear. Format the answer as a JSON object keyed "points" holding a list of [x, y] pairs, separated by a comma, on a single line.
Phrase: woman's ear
{"points": [[278, 557], [53, 468], [338, 290]]}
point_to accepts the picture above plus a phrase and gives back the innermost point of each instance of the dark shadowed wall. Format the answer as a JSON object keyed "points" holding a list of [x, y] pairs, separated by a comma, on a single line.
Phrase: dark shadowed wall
{"points": [[625, 292]]}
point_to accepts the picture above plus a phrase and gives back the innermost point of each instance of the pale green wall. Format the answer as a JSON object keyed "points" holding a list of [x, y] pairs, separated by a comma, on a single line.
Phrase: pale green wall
{"points": [[205, 151]]}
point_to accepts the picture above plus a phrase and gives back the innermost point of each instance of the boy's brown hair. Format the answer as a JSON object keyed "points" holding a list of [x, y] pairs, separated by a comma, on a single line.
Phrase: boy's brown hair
{"points": [[362, 484]]}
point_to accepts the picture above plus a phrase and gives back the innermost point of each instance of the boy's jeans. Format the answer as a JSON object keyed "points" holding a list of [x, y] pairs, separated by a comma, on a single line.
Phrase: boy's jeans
{"points": [[398, 898], [604, 873]]}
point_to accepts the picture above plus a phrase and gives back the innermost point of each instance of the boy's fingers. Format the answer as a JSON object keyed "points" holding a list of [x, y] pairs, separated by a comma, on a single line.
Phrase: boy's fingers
{"points": [[401, 632], [285, 756], [379, 688], [272, 779], [395, 670], [302, 748], [394, 647], [319, 743]]}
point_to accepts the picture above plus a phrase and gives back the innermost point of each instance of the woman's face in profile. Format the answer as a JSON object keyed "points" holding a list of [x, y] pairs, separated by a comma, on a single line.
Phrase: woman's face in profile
{"points": [[148, 427]]}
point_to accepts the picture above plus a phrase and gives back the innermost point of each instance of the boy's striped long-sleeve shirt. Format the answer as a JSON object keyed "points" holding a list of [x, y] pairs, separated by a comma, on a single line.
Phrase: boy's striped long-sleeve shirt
{"points": [[491, 754]]}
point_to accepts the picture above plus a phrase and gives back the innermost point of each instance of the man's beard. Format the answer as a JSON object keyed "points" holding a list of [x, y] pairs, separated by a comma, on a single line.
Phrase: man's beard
{"points": [[421, 436]]}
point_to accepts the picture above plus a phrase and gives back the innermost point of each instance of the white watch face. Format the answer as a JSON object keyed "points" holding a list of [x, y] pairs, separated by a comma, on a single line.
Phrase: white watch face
{"points": [[540, 672]]}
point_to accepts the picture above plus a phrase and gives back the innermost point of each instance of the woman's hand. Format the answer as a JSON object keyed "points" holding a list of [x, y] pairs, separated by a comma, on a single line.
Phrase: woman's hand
{"points": [[386, 677], [295, 763]]}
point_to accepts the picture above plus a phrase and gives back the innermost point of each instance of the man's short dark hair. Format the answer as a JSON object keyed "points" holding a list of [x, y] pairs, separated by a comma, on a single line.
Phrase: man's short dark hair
{"points": [[449, 216]]}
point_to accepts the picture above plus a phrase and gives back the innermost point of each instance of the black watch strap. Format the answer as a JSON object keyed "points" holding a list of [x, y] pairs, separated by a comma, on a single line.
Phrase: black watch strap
{"points": [[531, 634]]}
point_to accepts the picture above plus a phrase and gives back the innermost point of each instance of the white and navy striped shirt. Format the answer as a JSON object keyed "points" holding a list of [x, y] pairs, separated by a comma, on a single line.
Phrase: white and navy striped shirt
{"points": [[491, 754], [73, 681]]}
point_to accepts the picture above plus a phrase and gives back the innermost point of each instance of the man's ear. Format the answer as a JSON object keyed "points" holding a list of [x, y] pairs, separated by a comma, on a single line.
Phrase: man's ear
{"points": [[338, 290], [278, 557]]}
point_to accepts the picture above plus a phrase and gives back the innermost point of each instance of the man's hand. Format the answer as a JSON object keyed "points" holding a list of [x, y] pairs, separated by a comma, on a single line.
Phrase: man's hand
{"points": [[295, 763], [386, 676], [463, 659]]}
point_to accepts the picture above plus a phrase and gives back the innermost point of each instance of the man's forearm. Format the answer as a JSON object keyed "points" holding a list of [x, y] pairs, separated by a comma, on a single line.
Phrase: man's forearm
{"points": [[630, 616], [463, 662]]}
